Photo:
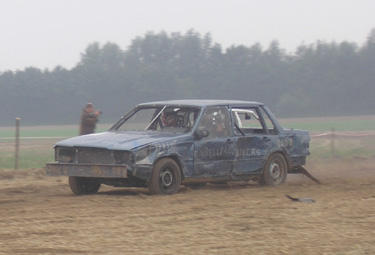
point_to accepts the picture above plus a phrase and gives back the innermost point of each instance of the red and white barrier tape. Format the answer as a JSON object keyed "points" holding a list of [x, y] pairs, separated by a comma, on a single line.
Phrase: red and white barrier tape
{"points": [[343, 134]]}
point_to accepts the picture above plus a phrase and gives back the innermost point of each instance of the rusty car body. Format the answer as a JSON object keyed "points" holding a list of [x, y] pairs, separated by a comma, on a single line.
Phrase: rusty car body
{"points": [[161, 145]]}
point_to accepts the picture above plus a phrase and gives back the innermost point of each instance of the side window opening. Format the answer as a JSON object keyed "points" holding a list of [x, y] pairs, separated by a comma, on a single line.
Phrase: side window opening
{"points": [[268, 122], [216, 120], [247, 121]]}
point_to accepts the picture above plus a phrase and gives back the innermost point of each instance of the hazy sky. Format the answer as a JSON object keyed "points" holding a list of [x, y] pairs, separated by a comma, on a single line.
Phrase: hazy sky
{"points": [[47, 33]]}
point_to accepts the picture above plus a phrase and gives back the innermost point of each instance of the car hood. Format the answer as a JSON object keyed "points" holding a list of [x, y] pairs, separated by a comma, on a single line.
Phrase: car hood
{"points": [[114, 140]]}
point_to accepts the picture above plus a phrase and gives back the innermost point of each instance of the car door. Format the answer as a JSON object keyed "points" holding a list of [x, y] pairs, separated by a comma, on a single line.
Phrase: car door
{"points": [[214, 154], [253, 141]]}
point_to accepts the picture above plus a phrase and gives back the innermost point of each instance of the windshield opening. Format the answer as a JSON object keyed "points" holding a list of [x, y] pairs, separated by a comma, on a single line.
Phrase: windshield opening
{"points": [[161, 118]]}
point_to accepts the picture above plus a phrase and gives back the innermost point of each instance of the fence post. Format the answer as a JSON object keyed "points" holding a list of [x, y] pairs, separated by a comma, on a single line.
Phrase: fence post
{"points": [[333, 142], [17, 143]]}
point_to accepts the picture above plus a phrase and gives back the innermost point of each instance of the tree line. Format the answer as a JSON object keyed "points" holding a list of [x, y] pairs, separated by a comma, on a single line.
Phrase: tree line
{"points": [[320, 79]]}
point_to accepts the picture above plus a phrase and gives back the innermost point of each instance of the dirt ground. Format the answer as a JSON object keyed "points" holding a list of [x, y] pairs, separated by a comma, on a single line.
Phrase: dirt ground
{"points": [[39, 215]]}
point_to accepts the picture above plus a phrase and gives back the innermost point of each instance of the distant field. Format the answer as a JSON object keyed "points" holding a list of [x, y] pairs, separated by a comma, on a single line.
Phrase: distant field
{"points": [[318, 124], [36, 146], [351, 123], [46, 131]]}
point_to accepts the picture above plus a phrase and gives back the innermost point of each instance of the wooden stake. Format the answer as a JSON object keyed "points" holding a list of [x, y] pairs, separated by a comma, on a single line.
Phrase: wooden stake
{"points": [[333, 142], [17, 143]]}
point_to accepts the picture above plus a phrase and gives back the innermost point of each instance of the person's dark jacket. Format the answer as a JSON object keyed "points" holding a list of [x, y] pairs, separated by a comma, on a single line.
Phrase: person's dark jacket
{"points": [[88, 123]]}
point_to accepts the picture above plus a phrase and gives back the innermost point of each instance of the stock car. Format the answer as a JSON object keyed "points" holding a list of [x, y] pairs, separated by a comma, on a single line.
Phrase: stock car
{"points": [[162, 145]]}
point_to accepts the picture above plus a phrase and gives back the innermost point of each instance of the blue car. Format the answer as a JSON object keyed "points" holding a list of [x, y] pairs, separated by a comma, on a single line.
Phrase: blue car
{"points": [[162, 145]]}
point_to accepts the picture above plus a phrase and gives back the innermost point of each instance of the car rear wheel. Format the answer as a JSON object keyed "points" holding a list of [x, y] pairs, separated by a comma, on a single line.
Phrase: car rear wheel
{"points": [[83, 185], [275, 171], [166, 178]]}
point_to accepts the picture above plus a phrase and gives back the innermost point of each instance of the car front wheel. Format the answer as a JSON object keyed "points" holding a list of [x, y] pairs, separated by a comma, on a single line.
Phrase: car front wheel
{"points": [[275, 171], [166, 178], [83, 185]]}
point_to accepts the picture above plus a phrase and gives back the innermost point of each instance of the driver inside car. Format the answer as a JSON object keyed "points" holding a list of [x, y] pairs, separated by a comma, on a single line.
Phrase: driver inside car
{"points": [[171, 120]]}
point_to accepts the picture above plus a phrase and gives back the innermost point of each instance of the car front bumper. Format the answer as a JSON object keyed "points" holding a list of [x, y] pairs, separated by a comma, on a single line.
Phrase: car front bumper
{"points": [[87, 170]]}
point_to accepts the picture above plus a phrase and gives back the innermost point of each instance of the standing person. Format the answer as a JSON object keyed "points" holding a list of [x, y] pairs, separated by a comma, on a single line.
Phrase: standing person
{"points": [[89, 119]]}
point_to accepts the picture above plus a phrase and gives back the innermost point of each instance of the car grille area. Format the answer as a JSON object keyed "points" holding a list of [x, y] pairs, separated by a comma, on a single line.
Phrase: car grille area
{"points": [[91, 156], [95, 156]]}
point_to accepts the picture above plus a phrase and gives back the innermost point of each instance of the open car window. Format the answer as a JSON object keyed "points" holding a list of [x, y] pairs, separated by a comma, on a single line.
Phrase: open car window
{"points": [[216, 121], [247, 121], [268, 122], [162, 118]]}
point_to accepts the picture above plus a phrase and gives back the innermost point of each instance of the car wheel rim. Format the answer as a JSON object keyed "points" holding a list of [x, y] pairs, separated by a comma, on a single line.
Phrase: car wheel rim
{"points": [[275, 171], [166, 178]]}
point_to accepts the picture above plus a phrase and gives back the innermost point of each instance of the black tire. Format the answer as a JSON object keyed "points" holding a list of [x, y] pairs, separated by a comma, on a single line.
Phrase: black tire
{"points": [[275, 171], [83, 185], [166, 178]]}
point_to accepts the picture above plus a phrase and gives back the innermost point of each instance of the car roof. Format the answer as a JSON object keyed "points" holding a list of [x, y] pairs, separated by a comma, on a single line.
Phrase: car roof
{"points": [[203, 103]]}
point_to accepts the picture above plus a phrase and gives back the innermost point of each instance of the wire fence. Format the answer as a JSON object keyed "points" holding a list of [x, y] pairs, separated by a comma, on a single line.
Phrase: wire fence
{"points": [[319, 135], [330, 139], [343, 134], [33, 138]]}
